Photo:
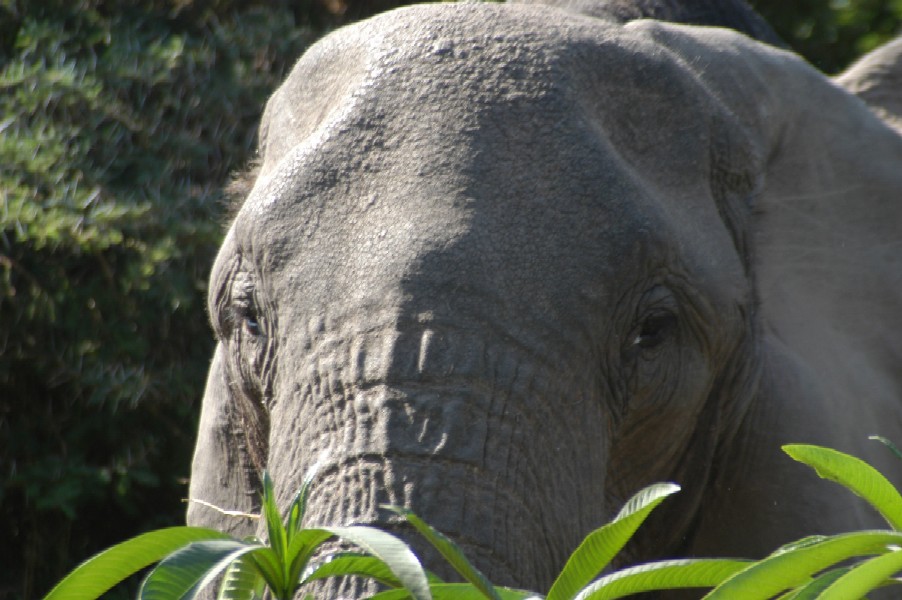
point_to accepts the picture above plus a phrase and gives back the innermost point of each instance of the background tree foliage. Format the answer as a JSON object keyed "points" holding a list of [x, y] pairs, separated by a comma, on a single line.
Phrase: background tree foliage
{"points": [[120, 123]]}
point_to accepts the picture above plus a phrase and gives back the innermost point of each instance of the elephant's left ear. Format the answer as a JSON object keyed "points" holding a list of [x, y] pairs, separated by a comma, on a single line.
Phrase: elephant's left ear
{"points": [[876, 78], [825, 220]]}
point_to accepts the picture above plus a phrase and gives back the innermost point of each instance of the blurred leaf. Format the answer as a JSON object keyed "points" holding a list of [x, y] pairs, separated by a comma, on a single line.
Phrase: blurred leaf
{"points": [[241, 581], [449, 550], [794, 566], [600, 546], [856, 475], [664, 575], [864, 577], [458, 591], [101, 572], [393, 552], [187, 571], [355, 564]]}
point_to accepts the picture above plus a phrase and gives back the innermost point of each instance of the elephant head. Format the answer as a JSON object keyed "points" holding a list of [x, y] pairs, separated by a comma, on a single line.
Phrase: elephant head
{"points": [[505, 265]]}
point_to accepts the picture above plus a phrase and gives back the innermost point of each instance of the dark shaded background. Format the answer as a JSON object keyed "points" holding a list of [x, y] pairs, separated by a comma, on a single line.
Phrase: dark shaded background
{"points": [[120, 123]]}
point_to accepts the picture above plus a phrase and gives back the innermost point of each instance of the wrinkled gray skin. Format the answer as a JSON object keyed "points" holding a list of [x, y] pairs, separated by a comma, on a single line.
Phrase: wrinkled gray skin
{"points": [[506, 265]]}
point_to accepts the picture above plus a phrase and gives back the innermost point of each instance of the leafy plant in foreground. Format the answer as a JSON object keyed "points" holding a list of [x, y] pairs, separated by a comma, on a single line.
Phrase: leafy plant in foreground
{"points": [[191, 558], [587, 561], [818, 566], [815, 567]]}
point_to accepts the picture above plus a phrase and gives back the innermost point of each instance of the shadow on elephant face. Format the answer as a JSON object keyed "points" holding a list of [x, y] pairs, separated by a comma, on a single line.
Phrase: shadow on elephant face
{"points": [[505, 266]]}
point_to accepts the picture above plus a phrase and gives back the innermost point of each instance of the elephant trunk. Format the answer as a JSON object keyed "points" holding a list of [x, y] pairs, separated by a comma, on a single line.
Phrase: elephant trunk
{"points": [[477, 441]]}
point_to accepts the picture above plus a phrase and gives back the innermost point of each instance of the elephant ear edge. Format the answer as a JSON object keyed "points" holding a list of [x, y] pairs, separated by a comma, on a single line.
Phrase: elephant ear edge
{"points": [[876, 78]]}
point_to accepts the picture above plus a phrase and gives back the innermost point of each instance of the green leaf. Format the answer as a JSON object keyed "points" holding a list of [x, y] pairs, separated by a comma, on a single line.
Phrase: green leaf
{"points": [[270, 567], [362, 565], [864, 577], [303, 544], [459, 591], [242, 581], [789, 568], [394, 552], [600, 546], [104, 570], [450, 551], [855, 474], [190, 569], [812, 589], [663, 575], [887, 443]]}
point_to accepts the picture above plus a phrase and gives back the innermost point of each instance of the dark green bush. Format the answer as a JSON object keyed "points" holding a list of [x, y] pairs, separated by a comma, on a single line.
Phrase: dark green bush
{"points": [[832, 34], [118, 127]]}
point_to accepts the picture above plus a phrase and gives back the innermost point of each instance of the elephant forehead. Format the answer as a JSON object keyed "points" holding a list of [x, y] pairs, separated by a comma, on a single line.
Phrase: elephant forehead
{"points": [[429, 71], [497, 132]]}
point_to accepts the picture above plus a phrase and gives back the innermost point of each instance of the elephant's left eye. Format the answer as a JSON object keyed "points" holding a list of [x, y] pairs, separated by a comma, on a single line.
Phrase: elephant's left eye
{"points": [[655, 329]]}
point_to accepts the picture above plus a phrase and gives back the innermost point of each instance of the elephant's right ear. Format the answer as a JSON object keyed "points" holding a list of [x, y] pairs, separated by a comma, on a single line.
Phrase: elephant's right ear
{"points": [[825, 221], [222, 472], [876, 78]]}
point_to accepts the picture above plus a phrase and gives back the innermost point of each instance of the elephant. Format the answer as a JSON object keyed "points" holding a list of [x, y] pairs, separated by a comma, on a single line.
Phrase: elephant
{"points": [[506, 264]]}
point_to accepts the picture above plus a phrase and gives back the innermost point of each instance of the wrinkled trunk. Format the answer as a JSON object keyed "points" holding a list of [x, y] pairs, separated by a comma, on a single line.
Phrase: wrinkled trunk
{"points": [[478, 439]]}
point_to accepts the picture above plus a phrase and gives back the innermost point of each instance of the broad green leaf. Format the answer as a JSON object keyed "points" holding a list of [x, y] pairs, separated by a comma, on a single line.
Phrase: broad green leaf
{"points": [[270, 567], [303, 545], [187, 571], [812, 589], [242, 581], [786, 569], [104, 570], [811, 540], [450, 551], [855, 474], [458, 591], [864, 577], [391, 550], [362, 565], [887, 443], [600, 546], [663, 575]]}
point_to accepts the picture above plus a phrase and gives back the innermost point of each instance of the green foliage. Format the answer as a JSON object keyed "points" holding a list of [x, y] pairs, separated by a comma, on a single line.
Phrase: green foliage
{"points": [[587, 561], [191, 558], [119, 125], [812, 568], [600, 546], [832, 34], [101, 572], [818, 567]]}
